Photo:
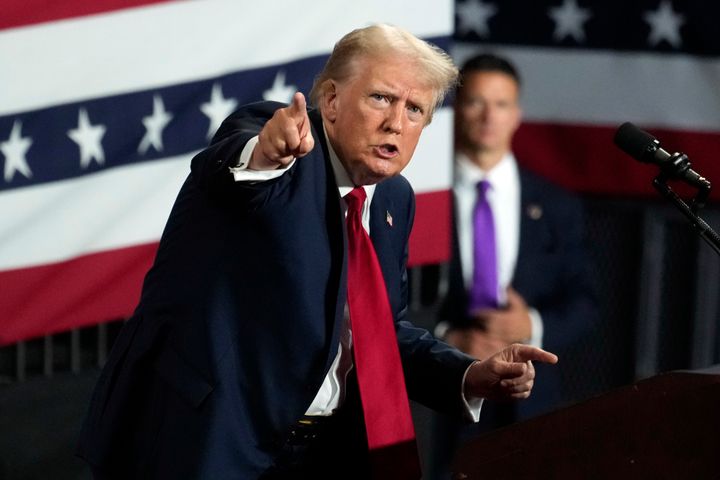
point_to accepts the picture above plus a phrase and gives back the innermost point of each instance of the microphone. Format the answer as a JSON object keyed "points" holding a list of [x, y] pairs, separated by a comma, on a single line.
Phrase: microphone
{"points": [[644, 147]]}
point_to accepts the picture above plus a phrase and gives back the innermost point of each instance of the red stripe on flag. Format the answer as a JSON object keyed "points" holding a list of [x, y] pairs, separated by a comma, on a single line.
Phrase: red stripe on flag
{"points": [[585, 159], [16, 13], [430, 237], [106, 286], [80, 292]]}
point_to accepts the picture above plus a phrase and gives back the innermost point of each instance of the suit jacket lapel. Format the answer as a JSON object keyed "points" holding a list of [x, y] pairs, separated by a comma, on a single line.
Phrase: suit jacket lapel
{"points": [[337, 237], [531, 227]]}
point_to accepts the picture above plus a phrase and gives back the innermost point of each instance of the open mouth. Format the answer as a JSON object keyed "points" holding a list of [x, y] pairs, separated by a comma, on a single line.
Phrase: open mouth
{"points": [[387, 150]]}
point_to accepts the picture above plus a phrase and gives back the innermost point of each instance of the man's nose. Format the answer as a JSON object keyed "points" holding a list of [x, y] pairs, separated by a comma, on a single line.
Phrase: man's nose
{"points": [[394, 119], [486, 113]]}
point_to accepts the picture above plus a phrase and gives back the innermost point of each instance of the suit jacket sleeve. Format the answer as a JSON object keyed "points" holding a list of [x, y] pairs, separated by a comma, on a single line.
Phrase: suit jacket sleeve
{"points": [[210, 168]]}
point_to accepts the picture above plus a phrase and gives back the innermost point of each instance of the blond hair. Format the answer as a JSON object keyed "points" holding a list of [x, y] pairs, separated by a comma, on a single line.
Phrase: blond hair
{"points": [[382, 40]]}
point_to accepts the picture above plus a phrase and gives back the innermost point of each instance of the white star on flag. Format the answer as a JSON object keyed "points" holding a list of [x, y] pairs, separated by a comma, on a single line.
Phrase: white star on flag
{"points": [[473, 16], [89, 139], [664, 25], [279, 92], [154, 126], [569, 19], [14, 150], [217, 109]]}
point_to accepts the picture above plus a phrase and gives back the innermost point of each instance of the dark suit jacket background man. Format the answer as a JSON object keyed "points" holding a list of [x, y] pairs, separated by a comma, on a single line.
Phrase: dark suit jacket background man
{"points": [[241, 324], [544, 292]]}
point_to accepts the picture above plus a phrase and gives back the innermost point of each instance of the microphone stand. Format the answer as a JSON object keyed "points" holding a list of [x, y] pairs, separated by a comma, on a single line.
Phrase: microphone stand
{"points": [[675, 169]]}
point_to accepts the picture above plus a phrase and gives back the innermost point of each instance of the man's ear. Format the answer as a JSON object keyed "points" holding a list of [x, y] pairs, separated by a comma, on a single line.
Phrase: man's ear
{"points": [[518, 119], [329, 101]]}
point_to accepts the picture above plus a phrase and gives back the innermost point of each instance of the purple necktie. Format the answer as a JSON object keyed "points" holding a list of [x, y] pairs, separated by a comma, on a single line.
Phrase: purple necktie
{"points": [[484, 293]]}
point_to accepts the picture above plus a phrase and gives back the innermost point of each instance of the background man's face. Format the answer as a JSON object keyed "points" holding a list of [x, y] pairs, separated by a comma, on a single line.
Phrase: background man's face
{"points": [[487, 112], [374, 119]]}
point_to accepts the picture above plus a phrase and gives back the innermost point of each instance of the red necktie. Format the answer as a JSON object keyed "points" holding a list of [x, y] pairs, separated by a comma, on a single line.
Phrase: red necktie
{"points": [[388, 422]]}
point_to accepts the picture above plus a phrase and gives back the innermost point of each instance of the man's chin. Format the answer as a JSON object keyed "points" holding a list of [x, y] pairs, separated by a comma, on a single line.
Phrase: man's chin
{"points": [[376, 175], [372, 178]]}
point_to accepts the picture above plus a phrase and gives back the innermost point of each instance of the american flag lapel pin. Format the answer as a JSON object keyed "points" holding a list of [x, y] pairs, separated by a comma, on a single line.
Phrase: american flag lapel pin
{"points": [[388, 217], [534, 211]]}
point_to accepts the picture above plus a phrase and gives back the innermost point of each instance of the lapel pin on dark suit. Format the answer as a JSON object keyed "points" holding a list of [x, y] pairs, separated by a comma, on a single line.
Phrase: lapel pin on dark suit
{"points": [[534, 211], [388, 217]]}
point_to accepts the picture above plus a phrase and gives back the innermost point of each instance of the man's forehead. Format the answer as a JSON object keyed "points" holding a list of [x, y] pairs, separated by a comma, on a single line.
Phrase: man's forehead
{"points": [[385, 74], [386, 66]]}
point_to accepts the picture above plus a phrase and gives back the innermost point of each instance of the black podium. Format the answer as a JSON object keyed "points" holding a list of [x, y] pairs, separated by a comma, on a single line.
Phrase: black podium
{"points": [[664, 427]]}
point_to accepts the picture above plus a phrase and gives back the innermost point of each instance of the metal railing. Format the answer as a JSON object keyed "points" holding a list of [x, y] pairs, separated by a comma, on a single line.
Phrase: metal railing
{"points": [[70, 351]]}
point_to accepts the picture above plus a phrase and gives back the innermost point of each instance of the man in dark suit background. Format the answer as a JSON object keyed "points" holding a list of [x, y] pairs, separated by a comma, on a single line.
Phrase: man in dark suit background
{"points": [[240, 360], [541, 292]]}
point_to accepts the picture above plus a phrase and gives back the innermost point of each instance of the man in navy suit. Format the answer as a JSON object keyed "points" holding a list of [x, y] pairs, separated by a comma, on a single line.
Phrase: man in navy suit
{"points": [[542, 292], [240, 361]]}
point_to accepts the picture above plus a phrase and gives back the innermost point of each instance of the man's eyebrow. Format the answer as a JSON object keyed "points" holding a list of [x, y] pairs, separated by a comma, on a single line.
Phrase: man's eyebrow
{"points": [[384, 88]]}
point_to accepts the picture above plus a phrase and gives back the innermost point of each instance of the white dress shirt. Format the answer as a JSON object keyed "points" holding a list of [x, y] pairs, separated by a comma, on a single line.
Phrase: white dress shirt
{"points": [[504, 199]]}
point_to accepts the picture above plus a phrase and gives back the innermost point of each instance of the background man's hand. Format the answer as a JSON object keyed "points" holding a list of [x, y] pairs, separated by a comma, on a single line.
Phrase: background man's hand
{"points": [[474, 342], [284, 137], [509, 374], [509, 324]]}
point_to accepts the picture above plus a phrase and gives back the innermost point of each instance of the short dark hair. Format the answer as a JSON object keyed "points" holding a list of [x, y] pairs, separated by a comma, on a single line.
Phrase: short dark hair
{"points": [[488, 62]]}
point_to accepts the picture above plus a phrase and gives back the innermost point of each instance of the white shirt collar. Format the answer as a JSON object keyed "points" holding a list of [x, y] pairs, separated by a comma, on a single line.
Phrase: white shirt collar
{"points": [[467, 174]]}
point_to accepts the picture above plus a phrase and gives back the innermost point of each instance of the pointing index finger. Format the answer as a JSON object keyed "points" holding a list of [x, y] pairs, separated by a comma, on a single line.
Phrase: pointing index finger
{"points": [[298, 105], [523, 353]]}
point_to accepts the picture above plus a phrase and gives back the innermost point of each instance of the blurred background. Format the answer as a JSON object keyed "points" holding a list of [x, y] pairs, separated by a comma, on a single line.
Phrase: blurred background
{"points": [[102, 105]]}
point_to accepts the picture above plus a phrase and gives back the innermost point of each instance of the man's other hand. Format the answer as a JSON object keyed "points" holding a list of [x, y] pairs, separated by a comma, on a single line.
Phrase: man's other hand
{"points": [[509, 374]]}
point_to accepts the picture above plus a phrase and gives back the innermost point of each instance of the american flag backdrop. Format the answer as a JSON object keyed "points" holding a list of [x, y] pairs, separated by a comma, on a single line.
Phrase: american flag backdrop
{"points": [[102, 105], [590, 65]]}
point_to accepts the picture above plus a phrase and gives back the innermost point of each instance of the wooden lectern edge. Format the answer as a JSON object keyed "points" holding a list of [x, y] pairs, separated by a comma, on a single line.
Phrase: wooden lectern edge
{"points": [[616, 433]]}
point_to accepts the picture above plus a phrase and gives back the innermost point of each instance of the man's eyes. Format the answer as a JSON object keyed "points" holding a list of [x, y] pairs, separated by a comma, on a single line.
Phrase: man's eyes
{"points": [[414, 110]]}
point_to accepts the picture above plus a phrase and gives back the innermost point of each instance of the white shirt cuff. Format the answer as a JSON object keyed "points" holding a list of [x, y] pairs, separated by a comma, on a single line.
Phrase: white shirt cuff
{"points": [[241, 173], [473, 405], [536, 328], [441, 329]]}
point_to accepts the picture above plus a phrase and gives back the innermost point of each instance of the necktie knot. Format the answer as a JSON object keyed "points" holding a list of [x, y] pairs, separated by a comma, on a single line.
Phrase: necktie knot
{"points": [[355, 199], [483, 186]]}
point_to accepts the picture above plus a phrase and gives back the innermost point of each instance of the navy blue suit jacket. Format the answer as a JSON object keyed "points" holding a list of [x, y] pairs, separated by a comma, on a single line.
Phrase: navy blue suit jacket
{"points": [[239, 318], [552, 274]]}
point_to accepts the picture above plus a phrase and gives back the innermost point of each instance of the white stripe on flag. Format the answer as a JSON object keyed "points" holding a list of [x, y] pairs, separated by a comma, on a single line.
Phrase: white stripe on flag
{"points": [[111, 209], [431, 167], [177, 42]]}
